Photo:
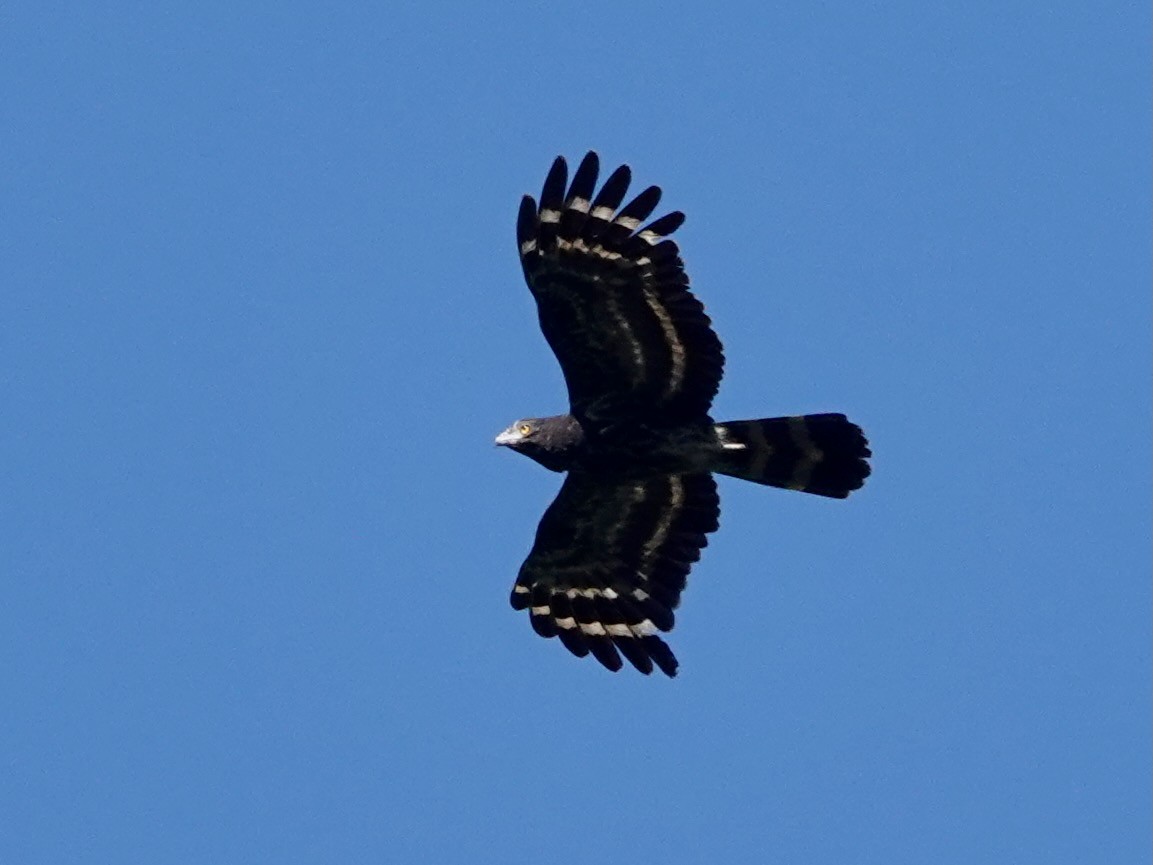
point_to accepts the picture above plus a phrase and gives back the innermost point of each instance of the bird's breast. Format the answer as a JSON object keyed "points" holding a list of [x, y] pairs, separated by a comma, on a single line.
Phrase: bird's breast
{"points": [[646, 449]]}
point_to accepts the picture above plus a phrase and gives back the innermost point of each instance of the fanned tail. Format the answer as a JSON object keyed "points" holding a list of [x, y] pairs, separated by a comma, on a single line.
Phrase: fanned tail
{"points": [[824, 454]]}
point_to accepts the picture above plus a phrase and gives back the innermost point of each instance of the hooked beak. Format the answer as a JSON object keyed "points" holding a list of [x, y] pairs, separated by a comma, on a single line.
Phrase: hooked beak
{"points": [[509, 437]]}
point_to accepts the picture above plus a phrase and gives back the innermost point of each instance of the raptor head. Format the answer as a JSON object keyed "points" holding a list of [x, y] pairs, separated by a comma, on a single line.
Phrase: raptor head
{"points": [[554, 442]]}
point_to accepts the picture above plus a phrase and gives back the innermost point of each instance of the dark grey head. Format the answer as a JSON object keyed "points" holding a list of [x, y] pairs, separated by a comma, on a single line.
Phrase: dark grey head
{"points": [[551, 441]]}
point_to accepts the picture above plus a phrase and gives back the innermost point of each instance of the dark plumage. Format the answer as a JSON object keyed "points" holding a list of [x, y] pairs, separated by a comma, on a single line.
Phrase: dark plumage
{"points": [[642, 365]]}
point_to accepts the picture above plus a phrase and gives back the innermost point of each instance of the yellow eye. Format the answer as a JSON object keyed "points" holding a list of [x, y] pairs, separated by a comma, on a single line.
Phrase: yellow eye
{"points": [[525, 429]]}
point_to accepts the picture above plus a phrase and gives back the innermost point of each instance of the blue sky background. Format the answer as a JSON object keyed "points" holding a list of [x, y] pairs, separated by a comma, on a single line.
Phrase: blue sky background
{"points": [[261, 316]]}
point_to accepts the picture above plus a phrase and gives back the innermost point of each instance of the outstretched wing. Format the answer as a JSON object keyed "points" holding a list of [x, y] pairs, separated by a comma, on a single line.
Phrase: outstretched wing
{"points": [[613, 299], [610, 561]]}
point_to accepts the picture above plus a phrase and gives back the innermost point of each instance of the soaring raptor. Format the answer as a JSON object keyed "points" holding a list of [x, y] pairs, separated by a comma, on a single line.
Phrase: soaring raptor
{"points": [[642, 365]]}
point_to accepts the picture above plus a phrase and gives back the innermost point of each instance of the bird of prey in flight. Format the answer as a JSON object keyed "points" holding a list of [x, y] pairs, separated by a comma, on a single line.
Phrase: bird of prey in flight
{"points": [[642, 364]]}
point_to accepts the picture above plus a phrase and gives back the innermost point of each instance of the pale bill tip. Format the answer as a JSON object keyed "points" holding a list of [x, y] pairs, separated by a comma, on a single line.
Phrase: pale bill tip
{"points": [[509, 437]]}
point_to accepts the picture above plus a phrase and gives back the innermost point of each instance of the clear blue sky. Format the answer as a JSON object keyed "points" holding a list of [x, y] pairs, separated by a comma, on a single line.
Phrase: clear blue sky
{"points": [[261, 316]]}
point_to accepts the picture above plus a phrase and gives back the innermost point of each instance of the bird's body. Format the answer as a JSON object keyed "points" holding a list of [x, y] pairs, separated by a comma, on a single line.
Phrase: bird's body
{"points": [[642, 364], [628, 447]]}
